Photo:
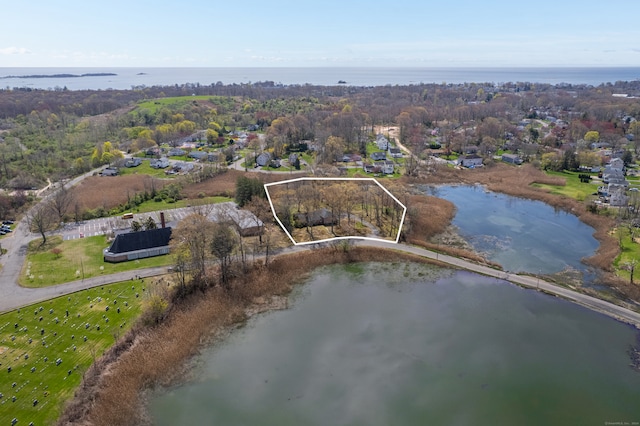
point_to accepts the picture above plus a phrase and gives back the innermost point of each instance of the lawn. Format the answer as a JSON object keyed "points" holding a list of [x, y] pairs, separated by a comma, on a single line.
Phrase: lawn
{"points": [[152, 206], [573, 188], [146, 169], [155, 104], [77, 259], [46, 348], [629, 253]]}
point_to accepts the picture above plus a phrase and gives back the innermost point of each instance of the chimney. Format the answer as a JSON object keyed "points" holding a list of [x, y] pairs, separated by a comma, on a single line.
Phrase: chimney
{"points": [[162, 224]]}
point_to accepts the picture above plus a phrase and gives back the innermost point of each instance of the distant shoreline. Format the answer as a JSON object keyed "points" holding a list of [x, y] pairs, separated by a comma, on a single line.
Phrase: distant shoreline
{"points": [[97, 74]]}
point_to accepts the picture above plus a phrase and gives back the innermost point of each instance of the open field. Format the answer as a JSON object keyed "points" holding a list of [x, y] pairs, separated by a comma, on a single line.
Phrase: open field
{"points": [[110, 191], [78, 259], [46, 348], [177, 101], [572, 187], [145, 169], [629, 253]]}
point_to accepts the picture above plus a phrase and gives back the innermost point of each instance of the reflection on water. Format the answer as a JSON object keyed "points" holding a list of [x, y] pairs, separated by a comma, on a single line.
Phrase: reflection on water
{"points": [[379, 344], [521, 235]]}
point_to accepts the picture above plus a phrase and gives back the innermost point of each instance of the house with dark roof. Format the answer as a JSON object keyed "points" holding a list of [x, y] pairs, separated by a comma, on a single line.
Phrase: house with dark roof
{"points": [[198, 155], [133, 162], [471, 161], [138, 245], [511, 158], [159, 163], [395, 152], [109, 171], [263, 159], [317, 217], [378, 156]]}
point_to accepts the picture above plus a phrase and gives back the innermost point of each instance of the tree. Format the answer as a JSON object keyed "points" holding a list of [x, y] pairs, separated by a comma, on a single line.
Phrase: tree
{"points": [[192, 237], [61, 202], [247, 188], [631, 267], [261, 212], [570, 160], [149, 223], [592, 136], [223, 243], [136, 226], [41, 220], [333, 149], [212, 136]]}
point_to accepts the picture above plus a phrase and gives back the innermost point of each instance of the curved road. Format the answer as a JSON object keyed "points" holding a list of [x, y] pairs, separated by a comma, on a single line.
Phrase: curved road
{"points": [[13, 296]]}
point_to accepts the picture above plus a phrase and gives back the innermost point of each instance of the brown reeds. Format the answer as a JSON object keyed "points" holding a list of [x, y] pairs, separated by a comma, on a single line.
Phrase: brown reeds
{"points": [[111, 392], [108, 192]]}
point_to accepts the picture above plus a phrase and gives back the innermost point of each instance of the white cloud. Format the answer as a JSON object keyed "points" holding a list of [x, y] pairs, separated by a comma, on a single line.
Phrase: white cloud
{"points": [[14, 51]]}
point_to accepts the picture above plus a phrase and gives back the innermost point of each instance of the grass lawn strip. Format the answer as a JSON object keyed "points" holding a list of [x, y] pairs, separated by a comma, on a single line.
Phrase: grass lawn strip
{"points": [[46, 348], [153, 206]]}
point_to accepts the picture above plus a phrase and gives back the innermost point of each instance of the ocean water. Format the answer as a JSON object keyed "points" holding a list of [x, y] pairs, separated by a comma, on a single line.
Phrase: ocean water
{"points": [[126, 78]]}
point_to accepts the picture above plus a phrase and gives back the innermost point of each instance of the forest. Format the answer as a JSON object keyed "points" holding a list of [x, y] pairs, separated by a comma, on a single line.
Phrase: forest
{"points": [[54, 135]]}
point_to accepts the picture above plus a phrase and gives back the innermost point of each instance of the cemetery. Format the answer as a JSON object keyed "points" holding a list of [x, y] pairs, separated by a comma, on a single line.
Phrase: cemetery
{"points": [[46, 348]]}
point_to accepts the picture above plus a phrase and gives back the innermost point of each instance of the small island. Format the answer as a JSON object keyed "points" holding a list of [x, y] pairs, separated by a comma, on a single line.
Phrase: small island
{"points": [[97, 74]]}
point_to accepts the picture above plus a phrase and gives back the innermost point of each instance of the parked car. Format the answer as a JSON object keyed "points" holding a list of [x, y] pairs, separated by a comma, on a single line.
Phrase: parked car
{"points": [[7, 222]]}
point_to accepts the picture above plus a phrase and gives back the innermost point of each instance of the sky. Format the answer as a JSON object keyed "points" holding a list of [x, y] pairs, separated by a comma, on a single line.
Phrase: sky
{"points": [[308, 33]]}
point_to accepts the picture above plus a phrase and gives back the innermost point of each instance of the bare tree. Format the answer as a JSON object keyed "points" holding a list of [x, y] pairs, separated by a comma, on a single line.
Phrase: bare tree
{"points": [[41, 220], [61, 202], [223, 243], [631, 267], [193, 237]]}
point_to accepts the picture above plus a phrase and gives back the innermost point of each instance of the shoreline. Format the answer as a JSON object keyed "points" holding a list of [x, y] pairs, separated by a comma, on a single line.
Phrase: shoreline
{"points": [[114, 392]]}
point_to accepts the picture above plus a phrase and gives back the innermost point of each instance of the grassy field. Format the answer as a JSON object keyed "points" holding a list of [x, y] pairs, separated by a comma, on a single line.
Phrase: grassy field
{"points": [[145, 169], [155, 104], [77, 259], [573, 188], [46, 348], [629, 253], [152, 206]]}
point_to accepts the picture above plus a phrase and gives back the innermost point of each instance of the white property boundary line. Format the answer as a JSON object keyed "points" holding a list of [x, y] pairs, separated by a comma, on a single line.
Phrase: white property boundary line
{"points": [[273, 210]]}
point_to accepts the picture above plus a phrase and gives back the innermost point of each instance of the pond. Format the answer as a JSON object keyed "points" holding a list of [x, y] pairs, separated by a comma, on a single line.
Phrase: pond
{"points": [[381, 344], [519, 234]]}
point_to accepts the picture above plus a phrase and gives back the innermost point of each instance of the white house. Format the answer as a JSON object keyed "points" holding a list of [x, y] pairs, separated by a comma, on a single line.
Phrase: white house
{"points": [[471, 161], [382, 142]]}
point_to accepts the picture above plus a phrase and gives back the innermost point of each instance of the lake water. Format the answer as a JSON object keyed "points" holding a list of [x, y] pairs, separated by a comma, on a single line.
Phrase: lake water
{"points": [[521, 235], [406, 344], [126, 78]]}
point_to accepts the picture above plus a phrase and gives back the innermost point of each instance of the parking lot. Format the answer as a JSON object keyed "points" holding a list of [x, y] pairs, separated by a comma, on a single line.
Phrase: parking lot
{"points": [[107, 225]]}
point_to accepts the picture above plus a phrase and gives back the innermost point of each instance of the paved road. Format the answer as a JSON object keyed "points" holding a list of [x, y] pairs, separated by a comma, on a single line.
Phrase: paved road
{"points": [[13, 296], [614, 311]]}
